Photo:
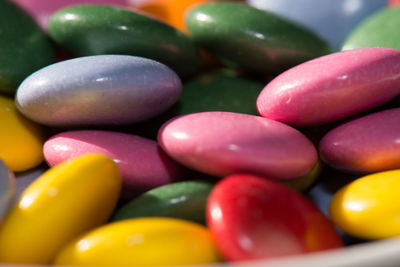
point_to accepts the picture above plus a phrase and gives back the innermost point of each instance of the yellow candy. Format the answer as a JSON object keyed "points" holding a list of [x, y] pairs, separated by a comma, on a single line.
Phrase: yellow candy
{"points": [[142, 242], [369, 207], [303, 183], [66, 201], [21, 141]]}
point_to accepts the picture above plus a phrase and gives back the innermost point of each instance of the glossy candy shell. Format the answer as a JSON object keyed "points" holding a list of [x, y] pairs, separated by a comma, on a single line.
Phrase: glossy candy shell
{"points": [[364, 145], [143, 164], [332, 87], [97, 29], [223, 143], [21, 140], [142, 242], [23, 47], [7, 189], [98, 90], [65, 202], [183, 200], [251, 39], [368, 207], [255, 218], [379, 30]]}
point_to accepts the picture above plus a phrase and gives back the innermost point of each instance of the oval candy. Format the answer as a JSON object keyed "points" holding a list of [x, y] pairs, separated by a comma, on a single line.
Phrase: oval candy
{"points": [[142, 242], [98, 90], [65, 202], [23, 47], [255, 218], [21, 140], [369, 206], [7, 189], [254, 40], [223, 143], [143, 164], [364, 145], [184, 200], [332, 87], [99, 29]]}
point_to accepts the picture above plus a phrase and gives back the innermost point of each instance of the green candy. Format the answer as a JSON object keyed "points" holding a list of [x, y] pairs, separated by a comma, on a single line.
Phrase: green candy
{"points": [[254, 40], [23, 47], [99, 29], [379, 30], [184, 200]]}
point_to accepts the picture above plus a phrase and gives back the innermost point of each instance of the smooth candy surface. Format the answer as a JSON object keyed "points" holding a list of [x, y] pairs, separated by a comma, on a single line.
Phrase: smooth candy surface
{"points": [[379, 30], [21, 140], [251, 39], [98, 29], [23, 47], [143, 164], [41, 10], [368, 207], [332, 87], [7, 189], [332, 20], [223, 143], [364, 145], [98, 90], [142, 242], [184, 200], [65, 202], [255, 218]]}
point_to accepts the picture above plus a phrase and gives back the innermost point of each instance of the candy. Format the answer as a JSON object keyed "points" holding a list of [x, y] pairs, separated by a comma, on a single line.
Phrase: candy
{"points": [[364, 145], [368, 207], [332, 20], [332, 87], [63, 203], [223, 143], [142, 162], [255, 41], [379, 30], [255, 218], [142, 242], [21, 140], [7, 189], [184, 200], [96, 29], [98, 90], [23, 47]]}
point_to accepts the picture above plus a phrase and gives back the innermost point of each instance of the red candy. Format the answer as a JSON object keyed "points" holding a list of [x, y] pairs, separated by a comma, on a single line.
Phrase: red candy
{"points": [[255, 218]]}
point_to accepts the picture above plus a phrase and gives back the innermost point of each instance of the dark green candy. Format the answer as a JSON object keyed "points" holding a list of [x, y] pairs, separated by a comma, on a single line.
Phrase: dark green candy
{"points": [[379, 30], [23, 47], [251, 39], [184, 200], [99, 29]]}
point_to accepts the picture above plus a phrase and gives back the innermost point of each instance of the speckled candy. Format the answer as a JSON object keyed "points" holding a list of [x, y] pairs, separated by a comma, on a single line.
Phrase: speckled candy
{"points": [[143, 164], [364, 145], [369, 206], [184, 200], [98, 90], [332, 87], [7, 189], [251, 39], [255, 218], [98, 29], [65, 202], [223, 143], [379, 30], [23, 47], [332, 20]]}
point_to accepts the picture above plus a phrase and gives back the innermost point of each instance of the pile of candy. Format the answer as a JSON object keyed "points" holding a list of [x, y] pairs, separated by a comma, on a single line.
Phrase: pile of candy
{"points": [[192, 132]]}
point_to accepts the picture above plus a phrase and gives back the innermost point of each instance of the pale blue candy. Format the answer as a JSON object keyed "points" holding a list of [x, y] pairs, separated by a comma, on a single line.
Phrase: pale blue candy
{"points": [[98, 90], [333, 20], [7, 189]]}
